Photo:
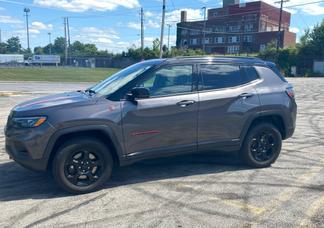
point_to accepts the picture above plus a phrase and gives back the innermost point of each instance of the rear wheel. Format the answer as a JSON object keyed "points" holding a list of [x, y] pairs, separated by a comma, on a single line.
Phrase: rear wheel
{"points": [[82, 165], [261, 146]]}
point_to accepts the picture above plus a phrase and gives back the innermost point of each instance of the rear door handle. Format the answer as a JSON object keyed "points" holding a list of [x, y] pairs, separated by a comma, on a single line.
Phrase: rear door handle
{"points": [[246, 95], [185, 103]]}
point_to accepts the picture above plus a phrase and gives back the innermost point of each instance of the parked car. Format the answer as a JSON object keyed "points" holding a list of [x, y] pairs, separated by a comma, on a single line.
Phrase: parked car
{"points": [[151, 109]]}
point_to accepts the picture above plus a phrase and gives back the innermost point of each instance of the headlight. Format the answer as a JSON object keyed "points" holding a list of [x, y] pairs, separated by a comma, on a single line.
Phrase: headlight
{"points": [[29, 122]]}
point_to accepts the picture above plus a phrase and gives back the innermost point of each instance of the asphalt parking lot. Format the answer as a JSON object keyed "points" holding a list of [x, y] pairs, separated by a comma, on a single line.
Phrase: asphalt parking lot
{"points": [[185, 191]]}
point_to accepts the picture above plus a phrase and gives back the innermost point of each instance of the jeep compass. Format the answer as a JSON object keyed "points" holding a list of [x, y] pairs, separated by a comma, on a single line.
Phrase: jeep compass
{"points": [[151, 109]]}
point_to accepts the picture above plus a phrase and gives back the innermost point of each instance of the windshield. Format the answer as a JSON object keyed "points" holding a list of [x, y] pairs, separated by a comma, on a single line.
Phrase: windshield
{"points": [[121, 78]]}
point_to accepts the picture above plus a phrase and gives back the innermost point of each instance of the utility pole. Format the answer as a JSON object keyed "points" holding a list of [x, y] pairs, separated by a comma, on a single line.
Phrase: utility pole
{"points": [[204, 30], [280, 22], [27, 11], [50, 42], [142, 33], [162, 29], [68, 32], [169, 27], [65, 43]]}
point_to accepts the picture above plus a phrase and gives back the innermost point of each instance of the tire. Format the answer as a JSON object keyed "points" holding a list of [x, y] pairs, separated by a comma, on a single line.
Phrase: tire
{"points": [[82, 165], [261, 146]]}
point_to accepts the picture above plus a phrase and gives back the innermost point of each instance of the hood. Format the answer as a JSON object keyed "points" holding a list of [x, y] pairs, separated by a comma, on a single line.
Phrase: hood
{"points": [[52, 101]]}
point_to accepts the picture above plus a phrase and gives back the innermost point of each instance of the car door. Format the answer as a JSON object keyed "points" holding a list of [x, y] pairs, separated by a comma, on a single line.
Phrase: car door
{"points": [[166, 122], [227, 100]]}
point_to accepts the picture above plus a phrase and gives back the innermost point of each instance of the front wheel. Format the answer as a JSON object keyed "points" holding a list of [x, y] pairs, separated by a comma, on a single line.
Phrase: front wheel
{"points": [[82, 165], [262, 146]]}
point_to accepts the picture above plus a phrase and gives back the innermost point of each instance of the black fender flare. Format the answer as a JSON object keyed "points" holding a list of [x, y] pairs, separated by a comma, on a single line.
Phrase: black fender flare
{"points": [[75, 129], [260, 115]]}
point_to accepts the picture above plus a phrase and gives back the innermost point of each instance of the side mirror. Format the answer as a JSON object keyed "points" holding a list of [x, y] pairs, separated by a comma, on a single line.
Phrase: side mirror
{"points": [[138, 93]]}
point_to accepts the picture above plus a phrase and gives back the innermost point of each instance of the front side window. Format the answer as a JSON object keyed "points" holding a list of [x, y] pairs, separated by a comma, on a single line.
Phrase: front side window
{"points": [[121, 78], [169, 80], [220, 76]]}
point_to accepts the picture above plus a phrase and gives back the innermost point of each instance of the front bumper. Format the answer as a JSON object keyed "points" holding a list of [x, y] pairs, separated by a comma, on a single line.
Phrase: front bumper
{"points": [[27, 146], [24, 159]]}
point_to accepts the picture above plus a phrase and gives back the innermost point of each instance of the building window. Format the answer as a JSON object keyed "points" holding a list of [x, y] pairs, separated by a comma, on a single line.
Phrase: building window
{"points": [[209, 30], [248, 28], [184, 32], [219, 40], [208, 40], [233, 39], [262, 47], [247, 38], [234, 28], [233, 49], [194, 32], [220, 29], [194, 41]]}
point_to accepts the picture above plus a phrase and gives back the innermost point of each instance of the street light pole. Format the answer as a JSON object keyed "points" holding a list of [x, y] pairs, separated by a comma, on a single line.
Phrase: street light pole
{"points": [[169, 27], [162, 29], [50, 42], [27, 11], [204, 30]]}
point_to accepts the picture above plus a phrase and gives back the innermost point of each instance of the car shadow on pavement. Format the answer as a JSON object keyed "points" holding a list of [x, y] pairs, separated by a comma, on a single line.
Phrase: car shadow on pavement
{"points": [[17, 183]]}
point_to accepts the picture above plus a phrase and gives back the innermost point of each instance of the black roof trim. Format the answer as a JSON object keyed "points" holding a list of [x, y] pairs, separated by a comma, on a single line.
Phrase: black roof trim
{"points": [[249, 60]]}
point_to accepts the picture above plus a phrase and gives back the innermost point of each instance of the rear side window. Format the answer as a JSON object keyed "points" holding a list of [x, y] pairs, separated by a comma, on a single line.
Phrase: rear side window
{"points": [[219, 76]]}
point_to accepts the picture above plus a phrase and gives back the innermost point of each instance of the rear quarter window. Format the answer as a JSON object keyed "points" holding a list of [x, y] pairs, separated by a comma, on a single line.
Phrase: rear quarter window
{"points": [[274, 68], [249, 73], [269, 74]]}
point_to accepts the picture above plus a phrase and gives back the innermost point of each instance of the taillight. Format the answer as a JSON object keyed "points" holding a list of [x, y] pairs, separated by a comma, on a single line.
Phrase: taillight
{"points": [[290, 92]]}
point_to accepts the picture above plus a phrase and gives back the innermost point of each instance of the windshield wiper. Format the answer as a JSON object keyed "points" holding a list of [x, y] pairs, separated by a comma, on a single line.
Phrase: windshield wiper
{"points": [[90, 91]]}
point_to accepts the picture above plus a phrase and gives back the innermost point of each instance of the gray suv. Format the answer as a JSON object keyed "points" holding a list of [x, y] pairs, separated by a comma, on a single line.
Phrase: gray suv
{"points": [[151, 109]]}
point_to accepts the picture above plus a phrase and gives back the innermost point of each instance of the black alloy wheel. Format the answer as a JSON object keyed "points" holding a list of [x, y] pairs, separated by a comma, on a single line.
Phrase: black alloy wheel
{"points": [[82, 165], [83, 168], [261, 146]]}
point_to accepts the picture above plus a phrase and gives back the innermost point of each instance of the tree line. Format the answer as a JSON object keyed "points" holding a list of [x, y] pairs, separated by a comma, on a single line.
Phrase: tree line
{"points": [[310, 48], [78, 49]]}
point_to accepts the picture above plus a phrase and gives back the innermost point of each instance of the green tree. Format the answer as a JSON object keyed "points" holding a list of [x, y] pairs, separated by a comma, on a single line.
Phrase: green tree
{"points": [[3, 48], [38, 51], [14, 45], [59, 46]]}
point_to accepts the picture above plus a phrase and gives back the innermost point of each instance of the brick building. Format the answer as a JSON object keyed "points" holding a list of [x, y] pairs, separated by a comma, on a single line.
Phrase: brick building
{"points": [[236, 28]]}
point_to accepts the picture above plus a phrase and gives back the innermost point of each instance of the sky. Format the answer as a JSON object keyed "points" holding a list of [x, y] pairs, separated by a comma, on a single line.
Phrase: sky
{"points": [[114, 25]]}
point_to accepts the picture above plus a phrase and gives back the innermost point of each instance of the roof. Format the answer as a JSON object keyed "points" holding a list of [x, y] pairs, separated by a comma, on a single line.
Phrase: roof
{"points": [[250, 60]]}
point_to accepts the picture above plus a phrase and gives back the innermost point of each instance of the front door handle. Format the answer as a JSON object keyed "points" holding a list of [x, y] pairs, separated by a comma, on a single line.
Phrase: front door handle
{"points": [[246, 95], [185, 103]]}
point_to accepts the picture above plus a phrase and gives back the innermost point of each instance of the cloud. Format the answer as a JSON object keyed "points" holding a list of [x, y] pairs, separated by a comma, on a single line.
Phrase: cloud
{"points": [[41, 26], [148, 14], [103, 38], [153, 24], [133, 25], [174, 17], [294, 29], [1, 8], [9, 20], [86, 5]]}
